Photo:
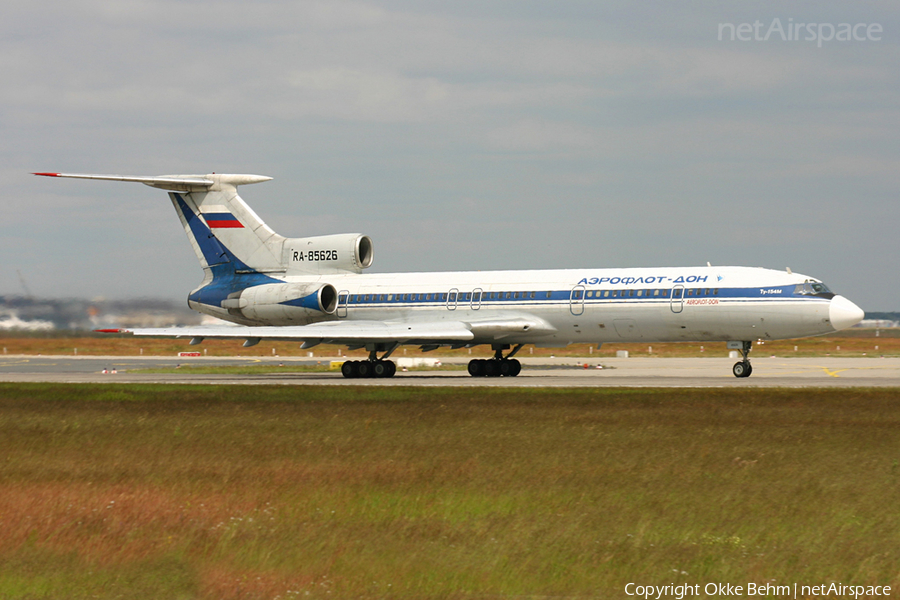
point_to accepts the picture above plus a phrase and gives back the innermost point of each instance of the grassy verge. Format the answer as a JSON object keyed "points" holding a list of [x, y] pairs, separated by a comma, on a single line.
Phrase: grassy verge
{"points": [[263, 492]]}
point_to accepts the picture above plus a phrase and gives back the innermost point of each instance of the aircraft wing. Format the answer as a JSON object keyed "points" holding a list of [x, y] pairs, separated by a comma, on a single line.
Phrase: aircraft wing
{"points": [[362, 332]]}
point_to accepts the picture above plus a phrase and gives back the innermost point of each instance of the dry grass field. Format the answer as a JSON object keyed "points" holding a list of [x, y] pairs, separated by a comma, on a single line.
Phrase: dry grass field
{"points": [[316, 492]]}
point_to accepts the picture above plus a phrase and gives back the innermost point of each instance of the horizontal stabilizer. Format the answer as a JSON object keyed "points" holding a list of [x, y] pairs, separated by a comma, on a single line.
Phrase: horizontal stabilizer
{"points": [[175, 183]]}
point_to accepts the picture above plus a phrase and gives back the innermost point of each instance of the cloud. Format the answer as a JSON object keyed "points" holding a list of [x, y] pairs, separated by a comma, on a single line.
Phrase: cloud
{"points": [[626, 134]]}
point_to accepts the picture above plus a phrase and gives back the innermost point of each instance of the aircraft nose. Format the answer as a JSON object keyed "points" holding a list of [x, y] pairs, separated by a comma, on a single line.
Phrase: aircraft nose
{"points": [[843, 313]]}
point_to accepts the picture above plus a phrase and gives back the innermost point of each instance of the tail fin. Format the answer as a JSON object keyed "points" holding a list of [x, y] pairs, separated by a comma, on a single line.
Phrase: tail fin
{"points": [[222, 228], [219, 224]]}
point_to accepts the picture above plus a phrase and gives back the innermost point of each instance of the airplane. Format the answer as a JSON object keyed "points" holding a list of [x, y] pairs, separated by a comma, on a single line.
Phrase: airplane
{"points": [[313, 290]]}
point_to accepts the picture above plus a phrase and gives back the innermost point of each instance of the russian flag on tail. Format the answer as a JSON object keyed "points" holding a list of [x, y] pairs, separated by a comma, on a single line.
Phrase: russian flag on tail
{"points": [[219, 220]]}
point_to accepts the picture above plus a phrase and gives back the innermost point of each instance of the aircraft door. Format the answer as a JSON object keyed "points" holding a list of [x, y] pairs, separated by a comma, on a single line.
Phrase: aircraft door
{"points": [[452, 297], [476, 298], [343, 301], [576, 300], [677, 299]]}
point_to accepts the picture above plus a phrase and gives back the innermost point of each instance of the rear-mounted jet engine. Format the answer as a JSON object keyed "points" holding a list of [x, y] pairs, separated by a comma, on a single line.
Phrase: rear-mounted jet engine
{"points": [[283, 303]]}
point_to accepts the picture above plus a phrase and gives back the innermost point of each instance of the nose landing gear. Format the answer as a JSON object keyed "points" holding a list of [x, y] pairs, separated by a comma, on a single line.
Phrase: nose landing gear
{"points": [[743, 368]]}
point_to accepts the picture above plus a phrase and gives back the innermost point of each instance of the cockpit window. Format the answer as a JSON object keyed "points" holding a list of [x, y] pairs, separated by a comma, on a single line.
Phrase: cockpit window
{"points": [[814, 288]]}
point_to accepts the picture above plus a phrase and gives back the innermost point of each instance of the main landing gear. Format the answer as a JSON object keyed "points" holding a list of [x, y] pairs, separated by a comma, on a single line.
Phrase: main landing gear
{"points": [[374, 367], [743, 368], [499, 366]]}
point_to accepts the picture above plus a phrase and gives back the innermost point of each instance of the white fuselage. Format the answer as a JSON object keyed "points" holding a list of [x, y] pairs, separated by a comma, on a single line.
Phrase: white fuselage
{"points": [[588, 305]]}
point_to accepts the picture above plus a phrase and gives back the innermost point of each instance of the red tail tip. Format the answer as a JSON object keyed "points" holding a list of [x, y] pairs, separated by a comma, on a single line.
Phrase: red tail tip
{"points": [[110, 330], [47, 174]]}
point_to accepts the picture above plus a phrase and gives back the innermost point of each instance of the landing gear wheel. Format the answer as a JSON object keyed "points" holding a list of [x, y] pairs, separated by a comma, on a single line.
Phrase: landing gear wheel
{"points": [[379, 369], [516, 367], [384, 368], [350, 369], [491, 368], [510, 368], [742, 369], [365, 369], [476, 368]]}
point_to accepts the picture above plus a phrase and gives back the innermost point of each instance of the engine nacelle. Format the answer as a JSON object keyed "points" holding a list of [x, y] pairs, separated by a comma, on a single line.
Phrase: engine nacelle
{"points": [[284, 303], [341, 253]]}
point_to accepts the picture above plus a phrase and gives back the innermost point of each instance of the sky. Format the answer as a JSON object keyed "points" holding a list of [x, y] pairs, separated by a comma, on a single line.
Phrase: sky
{"points": [[457, 135]]}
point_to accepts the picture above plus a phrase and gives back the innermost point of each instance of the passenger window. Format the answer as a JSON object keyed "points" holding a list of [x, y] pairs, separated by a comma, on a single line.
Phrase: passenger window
{"points": [[466, 296], [548, 294], [640, 293], [631, 293], [716, 292], [532, 295]]}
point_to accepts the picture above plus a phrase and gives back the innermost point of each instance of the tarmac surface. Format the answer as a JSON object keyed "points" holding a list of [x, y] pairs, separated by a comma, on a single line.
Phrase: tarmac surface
{"points": [[828, 372]]}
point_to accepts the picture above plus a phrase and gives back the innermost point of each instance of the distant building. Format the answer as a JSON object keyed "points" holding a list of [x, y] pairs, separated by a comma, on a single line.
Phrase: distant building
{"points": [[877, 324], [34, 314]]}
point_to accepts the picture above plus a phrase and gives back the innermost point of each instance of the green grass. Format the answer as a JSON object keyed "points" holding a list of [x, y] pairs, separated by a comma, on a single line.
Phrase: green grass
{"points": [[114, 491]]}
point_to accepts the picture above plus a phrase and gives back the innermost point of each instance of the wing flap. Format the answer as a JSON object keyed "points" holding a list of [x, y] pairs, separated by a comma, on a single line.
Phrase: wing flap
{"points": [[364, 332], [337, 332]]}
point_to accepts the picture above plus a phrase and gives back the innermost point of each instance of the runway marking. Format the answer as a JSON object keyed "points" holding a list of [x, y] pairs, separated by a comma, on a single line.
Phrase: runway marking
{"points": [[13, 362], [831, 373]]}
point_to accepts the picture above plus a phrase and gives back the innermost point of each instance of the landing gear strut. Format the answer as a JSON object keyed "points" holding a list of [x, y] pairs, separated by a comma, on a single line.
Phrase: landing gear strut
{"points": [[499, 366], [743, 367], [374, 367]]}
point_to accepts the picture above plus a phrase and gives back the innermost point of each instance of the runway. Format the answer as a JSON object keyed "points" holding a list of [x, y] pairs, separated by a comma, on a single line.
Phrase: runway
{"points": [[830, 372]]}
